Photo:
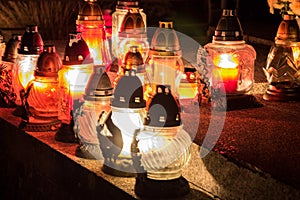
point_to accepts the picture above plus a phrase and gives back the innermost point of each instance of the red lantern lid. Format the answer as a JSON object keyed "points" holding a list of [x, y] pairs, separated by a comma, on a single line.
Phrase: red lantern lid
{"points": [[31, 42]]}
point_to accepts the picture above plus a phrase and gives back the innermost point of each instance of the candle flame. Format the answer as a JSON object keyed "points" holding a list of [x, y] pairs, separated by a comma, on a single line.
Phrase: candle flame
{"points": [[226, 61]]}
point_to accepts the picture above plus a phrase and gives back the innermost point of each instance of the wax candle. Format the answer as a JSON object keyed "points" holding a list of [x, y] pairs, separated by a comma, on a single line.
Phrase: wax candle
{"points": [[227, 72]]}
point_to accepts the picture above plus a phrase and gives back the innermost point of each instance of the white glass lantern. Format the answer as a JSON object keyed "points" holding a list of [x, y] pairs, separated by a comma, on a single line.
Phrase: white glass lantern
{"points": [[72, 78]]}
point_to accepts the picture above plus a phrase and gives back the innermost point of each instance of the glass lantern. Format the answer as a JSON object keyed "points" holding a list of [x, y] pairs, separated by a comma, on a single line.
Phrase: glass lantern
{"points": [[90, 23], [31, 47], [7, 93], [72, 80], [132, 33], [233, 59], [122, 8], [97, 100], [164, 148], [282, 67], [164, 62], [41, 94], [2, 46], [116, 129]]}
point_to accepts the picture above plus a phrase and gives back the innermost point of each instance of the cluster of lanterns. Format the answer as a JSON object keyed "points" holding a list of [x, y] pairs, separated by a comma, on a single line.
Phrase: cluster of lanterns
{"points": [[132, 120]]}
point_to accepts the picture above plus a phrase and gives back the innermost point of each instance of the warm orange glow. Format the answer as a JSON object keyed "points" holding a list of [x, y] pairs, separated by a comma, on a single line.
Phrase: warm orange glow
{"points": [[227, 71], [296, 54], [125, 46], [188, 87], [26, 71]]}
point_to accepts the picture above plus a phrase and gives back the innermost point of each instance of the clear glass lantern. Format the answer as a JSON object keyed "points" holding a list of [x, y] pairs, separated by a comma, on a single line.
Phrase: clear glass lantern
{"points": [[122, 8], [31, 47], [97, 100], [282, 67], [164, 62], [7, 93], [132, 33], [233, 59], [72, 79], [164, 148], [90, 23], [116, 129]]}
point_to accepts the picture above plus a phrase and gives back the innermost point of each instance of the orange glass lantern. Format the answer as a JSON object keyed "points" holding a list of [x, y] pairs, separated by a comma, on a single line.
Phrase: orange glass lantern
{"points": [[31, 47], [233, 59], [7, 93], [132, 33], [122, 8], [90, 23], [73, 78], [40, 99]]}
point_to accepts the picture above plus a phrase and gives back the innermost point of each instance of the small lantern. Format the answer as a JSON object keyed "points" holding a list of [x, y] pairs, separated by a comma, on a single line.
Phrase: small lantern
{"points": [[72, 79], [41, 94], [31, 47], [97, 101], [161, 149], [282, 68], [122, 8], [165, 64], [2, 46], [116, 129], [233, 59], [7, 93], [132, 33], [90, 23]]}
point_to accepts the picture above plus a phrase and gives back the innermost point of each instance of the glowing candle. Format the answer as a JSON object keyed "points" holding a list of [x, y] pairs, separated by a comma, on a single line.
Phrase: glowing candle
{"points": [[227, 71]]}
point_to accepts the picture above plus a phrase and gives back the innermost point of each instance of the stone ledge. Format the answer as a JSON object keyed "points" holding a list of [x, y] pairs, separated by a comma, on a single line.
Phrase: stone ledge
{"points": [[36, 166]]}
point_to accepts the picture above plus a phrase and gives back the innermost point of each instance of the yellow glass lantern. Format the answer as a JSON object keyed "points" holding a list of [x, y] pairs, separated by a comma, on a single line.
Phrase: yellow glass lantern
{"points": [[283, 63], [90, 23], [31, 47], [73, 78], [122, 8]]}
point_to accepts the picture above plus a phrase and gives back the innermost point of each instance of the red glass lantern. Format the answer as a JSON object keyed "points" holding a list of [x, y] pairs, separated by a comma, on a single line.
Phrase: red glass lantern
{"points": [[73, 78], [91, 24]]}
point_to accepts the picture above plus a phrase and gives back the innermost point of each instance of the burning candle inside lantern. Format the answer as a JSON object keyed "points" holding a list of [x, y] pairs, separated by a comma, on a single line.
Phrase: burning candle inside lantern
{"points": [[226, 71]]}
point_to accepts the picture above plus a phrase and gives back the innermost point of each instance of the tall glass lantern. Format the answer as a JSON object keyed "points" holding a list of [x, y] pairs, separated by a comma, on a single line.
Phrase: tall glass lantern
{"points": [[122, 8], [90, 23], [7, 93], [72, 80], [283, 63], [31, 47], [233, 59]]}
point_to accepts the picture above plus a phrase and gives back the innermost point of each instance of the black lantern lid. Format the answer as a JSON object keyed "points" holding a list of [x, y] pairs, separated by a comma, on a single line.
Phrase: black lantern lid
{"points": [[164, 110], [90, 11], [288, 30], [31, 42], [229, 27], [48, 62], [99, 85], [127, 4], [77, 51], [129, 92], [11, 49]]}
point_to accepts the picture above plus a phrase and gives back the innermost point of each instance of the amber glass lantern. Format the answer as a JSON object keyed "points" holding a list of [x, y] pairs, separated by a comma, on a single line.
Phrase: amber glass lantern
{"points": [[282, 67], [40, 99], [118, 127], [31, 47], [90, 23], [97, 100], [72, 79], [164, 62], [7, 93], [163, 147], [132, 33], [233, 59], [122, 8]]}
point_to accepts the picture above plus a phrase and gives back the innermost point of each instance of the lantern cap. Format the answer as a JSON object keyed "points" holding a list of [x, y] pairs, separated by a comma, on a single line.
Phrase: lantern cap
{"points": [[164, 110], [133, 58], [133, 23], [229, 27], [77, 51], [11, 49], [127, 4], [31, 42], [48, 62], [165, 38], [99, 86], [288, 30], [90, 11], [129, 92]]}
